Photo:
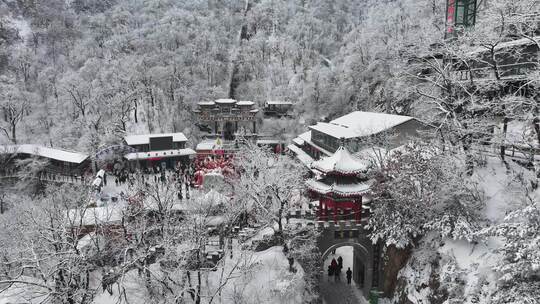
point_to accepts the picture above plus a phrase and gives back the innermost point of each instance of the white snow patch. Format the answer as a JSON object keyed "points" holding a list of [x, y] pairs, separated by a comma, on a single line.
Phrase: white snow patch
{"points": [[22, 26]]}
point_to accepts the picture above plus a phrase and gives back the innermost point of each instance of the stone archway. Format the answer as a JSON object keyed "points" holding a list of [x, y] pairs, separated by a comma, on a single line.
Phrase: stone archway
{"points": [[366, 257], [362, 263], [352, 244]]}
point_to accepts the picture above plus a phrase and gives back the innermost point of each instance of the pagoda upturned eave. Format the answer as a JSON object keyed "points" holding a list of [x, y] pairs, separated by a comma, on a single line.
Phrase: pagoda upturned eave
{"points": [[341, 190]]}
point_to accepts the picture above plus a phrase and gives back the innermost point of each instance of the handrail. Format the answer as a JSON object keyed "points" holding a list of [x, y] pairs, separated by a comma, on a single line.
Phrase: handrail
{"points": [[46, 176]]}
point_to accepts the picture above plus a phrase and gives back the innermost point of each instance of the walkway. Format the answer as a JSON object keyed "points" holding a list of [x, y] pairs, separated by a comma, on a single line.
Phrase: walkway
{"points": [[47, 177], [338, 292]]}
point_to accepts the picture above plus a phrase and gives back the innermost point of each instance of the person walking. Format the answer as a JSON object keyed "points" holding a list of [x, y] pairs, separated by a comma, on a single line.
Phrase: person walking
{"points": [[349, 276], [340, 262], [333, 264], [338, 274]]}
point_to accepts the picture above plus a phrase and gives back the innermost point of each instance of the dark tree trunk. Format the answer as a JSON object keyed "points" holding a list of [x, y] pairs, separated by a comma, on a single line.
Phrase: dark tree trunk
{"points": [[503, 143]]}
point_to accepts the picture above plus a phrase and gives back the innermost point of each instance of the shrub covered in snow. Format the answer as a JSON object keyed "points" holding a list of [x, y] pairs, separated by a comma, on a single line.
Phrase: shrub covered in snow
{"points": [[422, 189]]}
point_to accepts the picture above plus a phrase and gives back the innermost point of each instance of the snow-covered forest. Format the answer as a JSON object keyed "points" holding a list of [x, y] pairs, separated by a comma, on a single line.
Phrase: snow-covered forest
{"points": [[452, 213]]}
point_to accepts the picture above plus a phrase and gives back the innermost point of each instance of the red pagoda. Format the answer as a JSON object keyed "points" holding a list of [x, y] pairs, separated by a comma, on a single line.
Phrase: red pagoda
{"points": [[341, 187]]}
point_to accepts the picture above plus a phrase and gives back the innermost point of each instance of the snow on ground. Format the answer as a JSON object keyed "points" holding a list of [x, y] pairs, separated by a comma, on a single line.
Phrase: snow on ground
{"points": [[258, 277], [475, 262], [23, 293], [502, 188], [335, 290], [269, 281], [21, 25], [465, 268]]}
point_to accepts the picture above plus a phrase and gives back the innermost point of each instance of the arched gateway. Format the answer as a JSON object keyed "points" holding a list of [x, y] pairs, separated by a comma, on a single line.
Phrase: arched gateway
{"points": [[343, 212], [367, 264]]}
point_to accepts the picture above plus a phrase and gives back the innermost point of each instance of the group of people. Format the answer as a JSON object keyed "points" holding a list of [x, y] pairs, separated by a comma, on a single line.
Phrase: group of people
{"points": [[334, 269], [183, 176]]}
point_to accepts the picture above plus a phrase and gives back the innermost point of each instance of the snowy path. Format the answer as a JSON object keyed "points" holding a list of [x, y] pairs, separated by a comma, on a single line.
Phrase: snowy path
{"points": [[338, 292]]}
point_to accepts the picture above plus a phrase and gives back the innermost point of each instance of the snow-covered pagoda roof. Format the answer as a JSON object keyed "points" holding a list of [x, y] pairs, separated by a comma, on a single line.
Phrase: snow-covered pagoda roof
{"points": [[206, 103], [343, 190], [341, 162], [144, 139], [46, 152], [245, 103], [360, 124], [225, 101]]}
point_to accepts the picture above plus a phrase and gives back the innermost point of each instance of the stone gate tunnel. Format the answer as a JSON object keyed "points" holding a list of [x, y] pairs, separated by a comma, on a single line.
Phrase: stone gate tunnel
{"points": [[367, 262]]}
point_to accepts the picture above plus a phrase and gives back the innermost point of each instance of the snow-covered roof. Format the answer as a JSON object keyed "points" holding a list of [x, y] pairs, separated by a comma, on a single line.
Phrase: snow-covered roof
{"points": [[301, 155], [507, 44], [227, 101], [159, 154], [298, 141], [95, 216], [51, 153], [279, 102], [144, 139], [336, 131], [345, 190], [245, 103], [206, 145], [206, 103], [306, 136], [360, 124], [341, 162], [267, 141]]}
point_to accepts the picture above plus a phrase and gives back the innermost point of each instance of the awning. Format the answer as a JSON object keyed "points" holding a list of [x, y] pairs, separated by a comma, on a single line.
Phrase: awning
{"points": [[301, 155], [159, 154], [298, 141]]}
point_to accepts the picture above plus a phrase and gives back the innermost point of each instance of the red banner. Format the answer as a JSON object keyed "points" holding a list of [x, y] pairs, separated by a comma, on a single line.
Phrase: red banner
{"points": [[450, 13]]}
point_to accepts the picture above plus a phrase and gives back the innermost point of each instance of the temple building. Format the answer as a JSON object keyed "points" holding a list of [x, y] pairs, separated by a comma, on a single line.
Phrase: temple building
{"points": [[55, 161], [360, 131], [342, 186], [228, 117], [165, 150]]}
